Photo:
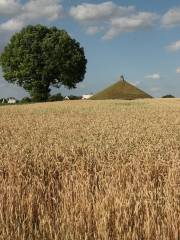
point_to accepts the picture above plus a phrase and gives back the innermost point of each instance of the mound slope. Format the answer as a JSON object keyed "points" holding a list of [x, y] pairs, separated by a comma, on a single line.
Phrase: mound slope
{"points": [[121, 90]]}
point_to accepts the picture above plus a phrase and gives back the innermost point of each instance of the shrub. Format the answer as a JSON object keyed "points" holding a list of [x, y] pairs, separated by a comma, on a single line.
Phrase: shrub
{"points": [[56, 97], [168, 96], [3, 100], [26, 100], [72, 97]]}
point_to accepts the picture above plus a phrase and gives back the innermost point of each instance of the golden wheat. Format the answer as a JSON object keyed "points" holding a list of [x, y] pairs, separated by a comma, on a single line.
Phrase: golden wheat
{"points": [[90, 170]]}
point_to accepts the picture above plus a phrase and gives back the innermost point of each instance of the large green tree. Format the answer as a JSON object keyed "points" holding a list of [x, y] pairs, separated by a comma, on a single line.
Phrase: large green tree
{"points": [[39, 57]]}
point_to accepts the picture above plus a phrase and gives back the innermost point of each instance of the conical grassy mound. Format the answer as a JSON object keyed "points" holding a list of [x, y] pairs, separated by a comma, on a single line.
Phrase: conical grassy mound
{"points": [[121, 90]]}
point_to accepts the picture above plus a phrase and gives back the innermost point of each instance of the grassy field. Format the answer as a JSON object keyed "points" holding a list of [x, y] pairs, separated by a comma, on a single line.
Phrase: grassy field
{"points": [[90, 170], [121, 90]]}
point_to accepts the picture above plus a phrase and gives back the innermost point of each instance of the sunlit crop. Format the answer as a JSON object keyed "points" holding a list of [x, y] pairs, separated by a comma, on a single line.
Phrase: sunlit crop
{"points": [[90, 170]]}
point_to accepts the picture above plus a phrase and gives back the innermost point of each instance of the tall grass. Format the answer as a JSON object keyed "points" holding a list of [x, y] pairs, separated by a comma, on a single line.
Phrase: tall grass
{"points": [[90, 170]]}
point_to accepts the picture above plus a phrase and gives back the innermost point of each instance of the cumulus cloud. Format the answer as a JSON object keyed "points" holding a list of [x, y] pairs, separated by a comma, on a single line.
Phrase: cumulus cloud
{"points": [[12, 25], [171, 18], [93, 12], [94, 29], [178, 70], [174, 47], [112, 18], [31, 12], [139, 21], [154, 76], [34, 11], [47, 9], [9, 8]]}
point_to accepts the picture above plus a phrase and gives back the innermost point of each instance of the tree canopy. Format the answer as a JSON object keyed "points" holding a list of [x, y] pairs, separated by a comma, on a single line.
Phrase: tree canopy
{"points": [[168, 96], [39, 57]]}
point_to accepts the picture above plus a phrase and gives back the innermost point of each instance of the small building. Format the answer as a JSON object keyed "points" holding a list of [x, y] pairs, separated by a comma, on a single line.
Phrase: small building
{"points": [[85, 97], [66, 98], [11, 100]]}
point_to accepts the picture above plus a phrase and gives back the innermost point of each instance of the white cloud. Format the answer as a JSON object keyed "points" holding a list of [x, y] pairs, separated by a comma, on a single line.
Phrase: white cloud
{"points": [[31, 12], [178, 70], [93, 12], [154, 76], [112, 18], [174, 47], [9, 7], [47, 9], [139, 21], [171, 18], [12, 25], [94, 29]]}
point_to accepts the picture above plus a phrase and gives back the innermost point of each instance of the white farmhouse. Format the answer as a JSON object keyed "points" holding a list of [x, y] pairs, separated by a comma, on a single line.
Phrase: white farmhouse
{"points": [[66, 98], [11, 100], [85, 97]]}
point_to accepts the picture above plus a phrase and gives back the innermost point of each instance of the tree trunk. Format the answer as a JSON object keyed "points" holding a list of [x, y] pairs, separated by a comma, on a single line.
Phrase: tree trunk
{"points": [[40, 92]]}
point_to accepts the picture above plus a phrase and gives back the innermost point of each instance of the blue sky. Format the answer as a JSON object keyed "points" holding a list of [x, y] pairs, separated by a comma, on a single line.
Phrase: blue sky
{"points": [[139, 39]]}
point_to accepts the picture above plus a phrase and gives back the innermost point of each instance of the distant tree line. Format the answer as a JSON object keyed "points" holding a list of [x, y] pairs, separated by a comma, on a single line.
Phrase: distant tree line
{"points": [[52, 98], [168, 96]]}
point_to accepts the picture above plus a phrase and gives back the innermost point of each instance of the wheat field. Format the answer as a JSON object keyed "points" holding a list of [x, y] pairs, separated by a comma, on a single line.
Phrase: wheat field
{"points": [[86, 170]]}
